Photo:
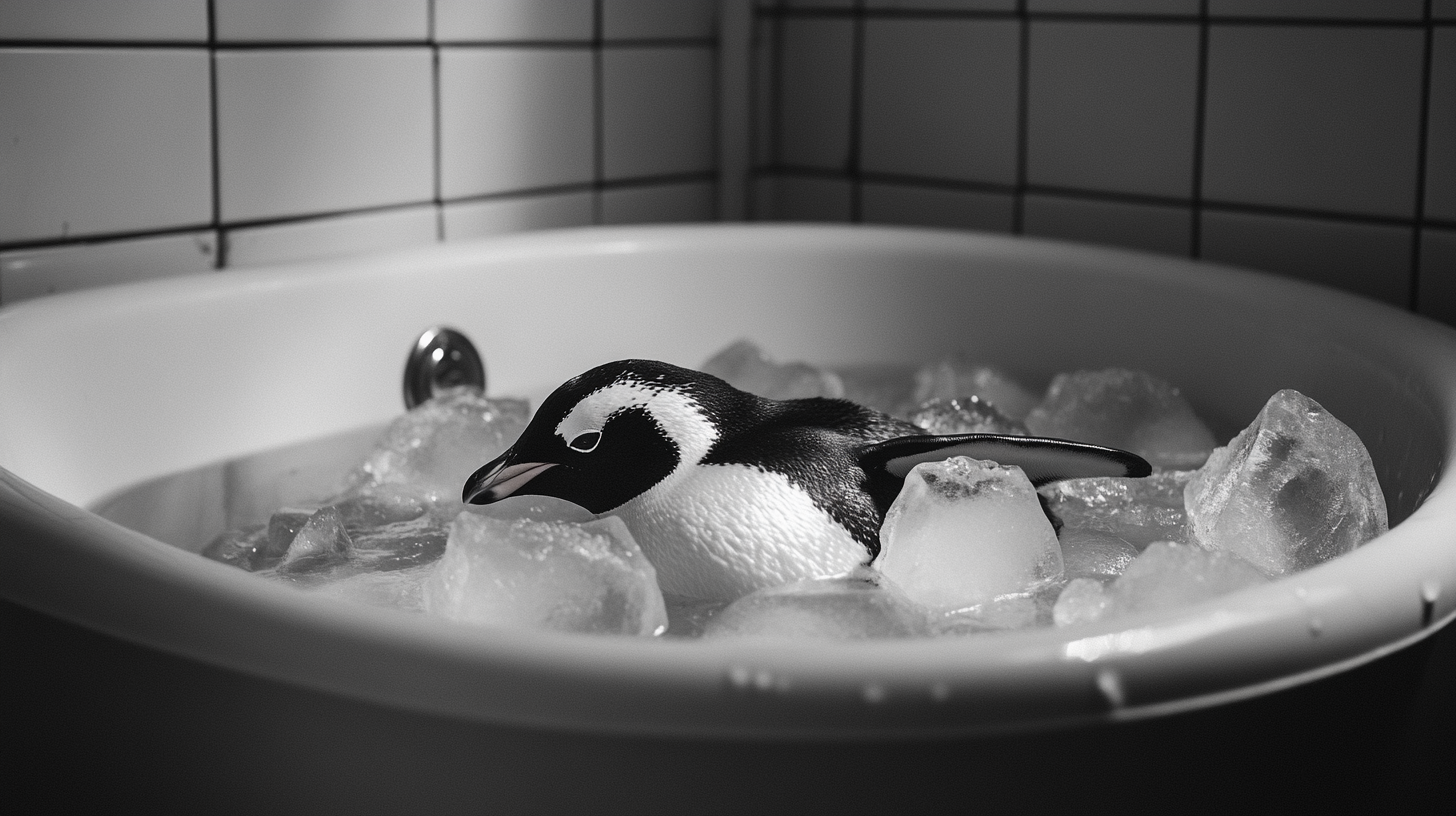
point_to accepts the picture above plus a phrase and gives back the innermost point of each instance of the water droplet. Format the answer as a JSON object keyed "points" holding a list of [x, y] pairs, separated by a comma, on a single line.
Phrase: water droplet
{"points": [[1430, 590], [740, 676], [873, 693], [763, 681], [1109, 683], [1316, 626], [940, 692]]}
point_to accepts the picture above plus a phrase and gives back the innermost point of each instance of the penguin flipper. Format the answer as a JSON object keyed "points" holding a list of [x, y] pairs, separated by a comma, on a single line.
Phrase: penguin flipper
{"points": [[1043, 460]]}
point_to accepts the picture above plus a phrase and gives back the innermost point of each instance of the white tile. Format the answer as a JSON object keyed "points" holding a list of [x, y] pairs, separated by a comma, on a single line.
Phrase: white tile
{"points": [[290, 20], [1179, 7], [940, 98], [1151, 227], [798, 198], [1443, 9], [813, 93], [514, 119], [31, 273], [1327, 9], [1441, 133], [315, 131], [150, 20], [657, 111], [1368, 259], [476, 219], [513, 20], [1320, 118], [660, 203], [99, 141], [1436, 292], [645, 19], [1111, 106], [333, 236], [944, 5], [936, 207]]}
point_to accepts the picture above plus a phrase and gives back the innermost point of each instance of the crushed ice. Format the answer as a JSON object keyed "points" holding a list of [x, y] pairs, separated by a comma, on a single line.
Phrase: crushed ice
{"points": [[967, 547]]}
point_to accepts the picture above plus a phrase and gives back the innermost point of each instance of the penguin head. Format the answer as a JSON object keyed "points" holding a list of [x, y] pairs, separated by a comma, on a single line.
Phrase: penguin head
{"points": [[609, 435]]}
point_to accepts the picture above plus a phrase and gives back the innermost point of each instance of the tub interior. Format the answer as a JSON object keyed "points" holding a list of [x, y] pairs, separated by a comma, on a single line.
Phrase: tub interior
{"points": [[181, 408]]}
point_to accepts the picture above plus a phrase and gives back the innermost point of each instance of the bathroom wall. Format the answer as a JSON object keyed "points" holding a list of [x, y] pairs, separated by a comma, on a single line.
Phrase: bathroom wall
{"points": [[1315, 138], [141, 138], [144, 138]]}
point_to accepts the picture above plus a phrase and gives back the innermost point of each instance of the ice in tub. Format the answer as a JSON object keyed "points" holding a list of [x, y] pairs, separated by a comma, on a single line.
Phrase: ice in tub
{"points": [[964, 533], [1294, 489], [958, 378], [1127, 409], [861, 605], [544, 563]]}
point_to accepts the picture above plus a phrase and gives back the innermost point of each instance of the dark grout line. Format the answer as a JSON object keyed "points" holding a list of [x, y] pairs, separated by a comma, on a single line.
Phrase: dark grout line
{"points": [[1422, 147], [438, 123], [599, 149], [1092, 17], [107, 237], [219, 255], [1023, 116], [854, 148], [1200, 121]]}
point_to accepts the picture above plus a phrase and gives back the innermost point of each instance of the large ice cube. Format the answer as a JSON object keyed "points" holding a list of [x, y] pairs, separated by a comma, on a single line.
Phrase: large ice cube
{"points": [[322, 542], [1121, 408], [436, 446], [955, 378], [745, 366], [1139, 511], [1167, 575], [400, 589], [1293, 489], [860, 605], [963, 415], [588, 577], [963, 532]]}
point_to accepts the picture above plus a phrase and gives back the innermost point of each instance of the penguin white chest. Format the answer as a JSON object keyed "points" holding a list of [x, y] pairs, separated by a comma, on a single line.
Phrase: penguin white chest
{"points": [[722, 531]]}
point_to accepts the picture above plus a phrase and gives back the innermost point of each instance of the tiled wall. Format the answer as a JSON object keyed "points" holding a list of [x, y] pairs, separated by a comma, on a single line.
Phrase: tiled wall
{"points": [[141, 138], [1315, 138]]}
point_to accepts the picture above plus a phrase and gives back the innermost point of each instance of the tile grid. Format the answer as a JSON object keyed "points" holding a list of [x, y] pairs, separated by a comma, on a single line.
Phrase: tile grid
{"points": [[212, 46], [777, 15]]}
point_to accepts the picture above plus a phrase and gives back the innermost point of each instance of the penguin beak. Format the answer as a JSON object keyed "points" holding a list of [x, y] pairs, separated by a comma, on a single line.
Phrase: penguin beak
{"points": [[499, 479]]}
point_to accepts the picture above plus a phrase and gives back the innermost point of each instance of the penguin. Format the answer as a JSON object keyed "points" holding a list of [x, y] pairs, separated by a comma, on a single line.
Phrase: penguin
{"points": [[727, 492]]}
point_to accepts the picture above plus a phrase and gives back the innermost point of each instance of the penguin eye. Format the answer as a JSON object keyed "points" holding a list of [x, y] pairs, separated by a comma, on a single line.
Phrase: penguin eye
{"points": [[585, 442]]}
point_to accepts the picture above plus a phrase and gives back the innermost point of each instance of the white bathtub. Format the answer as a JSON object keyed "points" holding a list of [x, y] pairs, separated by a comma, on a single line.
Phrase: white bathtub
{"points": [[258, 695]]}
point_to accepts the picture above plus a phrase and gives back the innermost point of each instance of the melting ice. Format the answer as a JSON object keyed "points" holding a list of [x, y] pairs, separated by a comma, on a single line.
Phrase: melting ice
{"points": [[968, 546]]}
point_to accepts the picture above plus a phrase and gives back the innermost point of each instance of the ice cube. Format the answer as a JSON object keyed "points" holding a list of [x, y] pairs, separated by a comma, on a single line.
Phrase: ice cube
{"points": [[1139, 511], [1292, 490], [963, 532], [1094, 554], [400, 589], [435, 447], [1121, 408], [745, 366], [956, 378], [963, 415], [321, 543], [565, 576], [860, 605], [1082, 600], [1019, 611], [239, 548], [1168, 575]]}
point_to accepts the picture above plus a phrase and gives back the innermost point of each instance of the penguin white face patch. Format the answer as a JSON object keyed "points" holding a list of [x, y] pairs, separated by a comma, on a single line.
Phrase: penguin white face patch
{"points": [[679, 417]]}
